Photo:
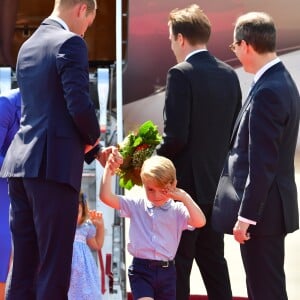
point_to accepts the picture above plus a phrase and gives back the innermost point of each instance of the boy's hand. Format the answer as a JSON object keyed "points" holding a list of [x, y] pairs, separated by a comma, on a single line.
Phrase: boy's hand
{"points": [[114, 161], [110, 153], [174, 193]]}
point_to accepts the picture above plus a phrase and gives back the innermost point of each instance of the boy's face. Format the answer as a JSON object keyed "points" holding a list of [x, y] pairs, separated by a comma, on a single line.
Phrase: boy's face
{"points": [[156, 195]]}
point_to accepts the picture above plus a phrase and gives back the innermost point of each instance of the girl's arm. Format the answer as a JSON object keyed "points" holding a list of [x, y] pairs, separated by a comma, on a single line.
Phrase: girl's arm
{"points": [[96, 242], [106, 195]]}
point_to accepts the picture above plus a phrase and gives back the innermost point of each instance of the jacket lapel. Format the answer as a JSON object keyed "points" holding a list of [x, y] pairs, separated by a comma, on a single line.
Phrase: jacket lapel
{"points": [[264, 77], [239, 117]]}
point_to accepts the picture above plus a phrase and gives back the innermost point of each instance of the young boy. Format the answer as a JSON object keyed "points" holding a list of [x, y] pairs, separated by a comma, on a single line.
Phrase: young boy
{"points": [[155, 228]]}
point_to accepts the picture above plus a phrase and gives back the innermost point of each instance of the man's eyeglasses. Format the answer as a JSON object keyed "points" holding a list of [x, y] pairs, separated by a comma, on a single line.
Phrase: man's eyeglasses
{"points": [[233, 45]]}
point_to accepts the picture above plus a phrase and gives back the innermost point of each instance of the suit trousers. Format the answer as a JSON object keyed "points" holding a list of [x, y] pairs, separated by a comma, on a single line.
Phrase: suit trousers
{"points": [[43, 219], [263, 259], [206, 246]]}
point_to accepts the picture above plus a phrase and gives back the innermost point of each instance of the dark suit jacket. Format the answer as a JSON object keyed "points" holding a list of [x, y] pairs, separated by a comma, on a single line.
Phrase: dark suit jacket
{"points": [[261, 162], [58, 117], [203, 98]]}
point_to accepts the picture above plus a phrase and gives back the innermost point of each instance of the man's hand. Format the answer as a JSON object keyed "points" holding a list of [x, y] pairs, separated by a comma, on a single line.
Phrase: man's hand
{"points": [[115, 157], [240, 232]]}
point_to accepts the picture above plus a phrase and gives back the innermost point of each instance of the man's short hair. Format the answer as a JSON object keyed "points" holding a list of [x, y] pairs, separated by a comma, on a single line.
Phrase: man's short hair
{"points": [[258, 30], [91, 4], [192, 23]]}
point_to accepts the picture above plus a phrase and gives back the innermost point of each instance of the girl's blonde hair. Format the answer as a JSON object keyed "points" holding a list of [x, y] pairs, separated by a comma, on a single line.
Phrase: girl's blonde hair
{"points": [[159, 170], [84, 206]]}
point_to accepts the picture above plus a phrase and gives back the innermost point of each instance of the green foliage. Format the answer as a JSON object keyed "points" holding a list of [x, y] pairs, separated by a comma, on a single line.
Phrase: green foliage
{"points": [[135, 149]]}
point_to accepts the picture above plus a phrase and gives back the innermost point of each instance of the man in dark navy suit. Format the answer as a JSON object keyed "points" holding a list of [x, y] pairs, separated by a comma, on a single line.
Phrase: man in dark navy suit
{"points": [[45, 160], [261, 161], [203, 98]]}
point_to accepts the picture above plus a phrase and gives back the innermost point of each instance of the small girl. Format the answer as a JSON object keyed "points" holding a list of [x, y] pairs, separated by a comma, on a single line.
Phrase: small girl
{"points": [[85, 277]]}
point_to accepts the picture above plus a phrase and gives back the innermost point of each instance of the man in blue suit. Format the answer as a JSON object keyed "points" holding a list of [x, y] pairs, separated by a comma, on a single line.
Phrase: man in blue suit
{"points": [[45, 160], [261, 160]]}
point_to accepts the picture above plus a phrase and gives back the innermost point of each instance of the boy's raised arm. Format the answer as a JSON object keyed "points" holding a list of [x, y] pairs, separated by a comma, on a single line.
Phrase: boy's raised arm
{"points": [[106, 194], [197, 218]]}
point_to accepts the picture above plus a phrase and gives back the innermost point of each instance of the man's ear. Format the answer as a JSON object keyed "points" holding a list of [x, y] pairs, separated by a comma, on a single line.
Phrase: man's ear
{"points": [[246, 47], [81, 11], [180, 39]]}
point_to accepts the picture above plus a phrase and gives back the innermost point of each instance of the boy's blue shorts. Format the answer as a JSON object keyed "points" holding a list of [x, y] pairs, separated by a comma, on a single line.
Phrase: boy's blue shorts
{"points": [[152, 278]]}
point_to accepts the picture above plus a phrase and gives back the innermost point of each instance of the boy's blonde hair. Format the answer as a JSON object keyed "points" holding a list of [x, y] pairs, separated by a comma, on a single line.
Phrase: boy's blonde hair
{"points": [[159, 170]]}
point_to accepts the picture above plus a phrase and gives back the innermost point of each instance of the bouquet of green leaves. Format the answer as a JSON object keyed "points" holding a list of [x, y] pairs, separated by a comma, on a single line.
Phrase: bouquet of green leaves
{"points": [[135, 149]]}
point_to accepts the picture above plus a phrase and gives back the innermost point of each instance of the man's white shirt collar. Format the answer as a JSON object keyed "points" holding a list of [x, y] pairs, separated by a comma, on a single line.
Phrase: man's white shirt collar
{"points": [[60, 21], [194, 52], [265, 68]]}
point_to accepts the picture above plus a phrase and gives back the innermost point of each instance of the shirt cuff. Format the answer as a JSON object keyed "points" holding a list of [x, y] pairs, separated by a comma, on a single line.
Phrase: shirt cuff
{"points": [[246, 220], [92, 154]]}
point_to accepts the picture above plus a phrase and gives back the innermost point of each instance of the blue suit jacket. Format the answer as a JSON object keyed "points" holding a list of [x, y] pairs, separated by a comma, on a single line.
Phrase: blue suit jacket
{"points": [[58, 117], [261, 161], [10, 111]]}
